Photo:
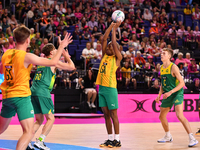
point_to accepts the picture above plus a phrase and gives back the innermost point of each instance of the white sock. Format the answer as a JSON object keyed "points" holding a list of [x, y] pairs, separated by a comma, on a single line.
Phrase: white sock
{"points": [[117, 137], [191, 136], [42, 138], [168, 134], [110, 137]]}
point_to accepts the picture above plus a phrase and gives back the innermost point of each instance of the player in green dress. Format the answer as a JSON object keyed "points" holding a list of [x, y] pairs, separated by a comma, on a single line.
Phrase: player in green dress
{"points": [[172, 89], [41, 98]]}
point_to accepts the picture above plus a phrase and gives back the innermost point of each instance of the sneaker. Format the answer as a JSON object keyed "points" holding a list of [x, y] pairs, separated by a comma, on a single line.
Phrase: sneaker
{"points": [[192, 142], [30, 147], [40, 145], [198, 132], [115, 143], [89, 105], [93, 106], [106, 143], [165, 139]]}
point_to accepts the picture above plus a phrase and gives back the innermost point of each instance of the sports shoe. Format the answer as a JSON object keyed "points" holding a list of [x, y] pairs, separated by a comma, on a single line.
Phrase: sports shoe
{"points": [[192, 142], [93, 106], [40, 145], [30, 147], [198, 132], [165, 139], [106, 143], [89, 105], [115, 143]]}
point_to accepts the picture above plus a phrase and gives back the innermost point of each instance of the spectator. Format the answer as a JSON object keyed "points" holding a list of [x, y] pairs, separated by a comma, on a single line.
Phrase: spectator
{"points": [[92, 23], [38, 39], [95, 32], [187, 10], [12, 20], [76, 33], [73, 78], [156, 73], [155, 87], [37, 52], [44, 43], [181, 32], [173, 36], [88, 52], [4, 25], [192, 68], [126, 74], [180, 59], [43, 24], [89, 83], [32, 35], [172, 4], [55, 21], [11, 42], [98, 52], [172, 20], [151, 63], [124, 39], [33, 45], [188, 59], [196, 14], [78, 14], [153, 29], [5, 46], [153, 50], [139, 60], [195, 86], [8, 33], [94, 44], [148, 72], [147, 15], [86, 33]]}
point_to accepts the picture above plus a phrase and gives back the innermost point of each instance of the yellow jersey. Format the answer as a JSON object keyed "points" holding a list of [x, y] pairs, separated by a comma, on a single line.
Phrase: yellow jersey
{"points": [[16, 76], [107, 72]]}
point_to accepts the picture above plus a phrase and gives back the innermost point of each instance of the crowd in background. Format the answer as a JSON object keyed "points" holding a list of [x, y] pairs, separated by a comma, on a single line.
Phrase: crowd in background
{"points": [[149, 26]]}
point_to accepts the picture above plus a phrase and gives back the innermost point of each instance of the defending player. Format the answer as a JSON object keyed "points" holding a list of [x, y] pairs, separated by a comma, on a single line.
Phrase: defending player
{"points": [[41, 98], [172, 89], [106, 79], [16, 66]]}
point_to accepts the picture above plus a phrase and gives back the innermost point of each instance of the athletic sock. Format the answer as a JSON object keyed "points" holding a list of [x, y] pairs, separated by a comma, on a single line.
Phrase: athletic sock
{"points": [[191, 136], [110, 137], [42, 138], [168, 134], [117, 137]]}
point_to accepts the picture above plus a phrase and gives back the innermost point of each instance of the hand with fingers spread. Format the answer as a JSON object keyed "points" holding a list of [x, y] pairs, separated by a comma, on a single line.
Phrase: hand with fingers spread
{"points": [[67, 40], [117, 24]]}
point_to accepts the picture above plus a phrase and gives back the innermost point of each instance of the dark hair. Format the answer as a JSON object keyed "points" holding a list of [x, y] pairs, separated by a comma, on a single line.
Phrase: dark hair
{"points": [[21, 34], [47, 49]]}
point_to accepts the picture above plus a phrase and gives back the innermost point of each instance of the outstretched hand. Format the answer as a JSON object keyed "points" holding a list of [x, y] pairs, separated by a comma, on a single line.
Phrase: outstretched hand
{"points": [[117, 24], [66, 41], [66, 53]]}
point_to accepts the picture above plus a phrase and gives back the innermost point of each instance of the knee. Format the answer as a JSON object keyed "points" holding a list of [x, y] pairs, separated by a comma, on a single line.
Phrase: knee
{"points": [[40, 120], [94, 92], [106, 116], [51, 118], [180, 116], [161, 117]]}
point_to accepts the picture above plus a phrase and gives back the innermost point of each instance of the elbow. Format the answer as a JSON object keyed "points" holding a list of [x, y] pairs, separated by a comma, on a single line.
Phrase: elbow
{"points": [[72, 68]]}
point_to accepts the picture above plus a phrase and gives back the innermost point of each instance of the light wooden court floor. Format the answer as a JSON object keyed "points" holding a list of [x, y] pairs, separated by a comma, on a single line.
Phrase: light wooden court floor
{"points": [[134, 136]]}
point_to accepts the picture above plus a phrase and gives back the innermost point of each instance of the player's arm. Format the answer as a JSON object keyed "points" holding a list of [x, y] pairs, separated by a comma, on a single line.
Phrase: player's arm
{"points": [[159, 94], [176, 72], [114, 44], [105, 37], [66, 66], [33, 59]]}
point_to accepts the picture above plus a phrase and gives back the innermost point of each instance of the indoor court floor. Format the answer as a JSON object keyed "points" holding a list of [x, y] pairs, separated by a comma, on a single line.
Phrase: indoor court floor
{"points": [[134, 136]]}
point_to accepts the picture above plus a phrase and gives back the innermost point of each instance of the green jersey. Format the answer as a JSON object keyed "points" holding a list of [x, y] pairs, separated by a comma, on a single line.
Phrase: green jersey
{"points": [[168, 81], [43, 82]]}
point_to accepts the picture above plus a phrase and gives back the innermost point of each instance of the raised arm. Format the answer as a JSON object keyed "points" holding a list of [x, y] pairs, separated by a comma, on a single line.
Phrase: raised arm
{"points": [[33, 59], [66, 66], [114, 44], [105, 37]]}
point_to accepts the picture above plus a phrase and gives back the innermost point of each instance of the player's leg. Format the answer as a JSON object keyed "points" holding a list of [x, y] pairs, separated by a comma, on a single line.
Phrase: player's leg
{"points": [[49, 124], [28, 133], [185, 123], [106, 112], [4, 123], [39, 120], [163, 114]]}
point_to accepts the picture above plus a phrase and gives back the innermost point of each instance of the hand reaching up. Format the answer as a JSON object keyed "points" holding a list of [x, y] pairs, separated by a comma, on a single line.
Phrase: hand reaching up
{"points": [[66, 41]]}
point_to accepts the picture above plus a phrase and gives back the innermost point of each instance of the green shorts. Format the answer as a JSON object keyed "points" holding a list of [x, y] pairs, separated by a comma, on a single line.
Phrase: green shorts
{"points": [[20, 105], [108, 97], [42, 105], [174, 99]]}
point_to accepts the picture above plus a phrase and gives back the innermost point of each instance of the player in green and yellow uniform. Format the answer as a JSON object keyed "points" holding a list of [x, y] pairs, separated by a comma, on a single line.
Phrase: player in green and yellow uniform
{"points": [[106, 79], [172, 89], [41, 98]]}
